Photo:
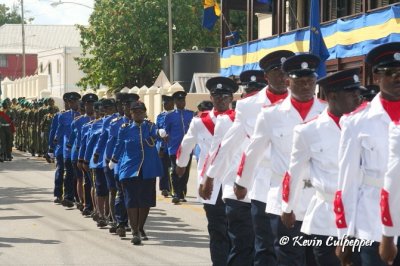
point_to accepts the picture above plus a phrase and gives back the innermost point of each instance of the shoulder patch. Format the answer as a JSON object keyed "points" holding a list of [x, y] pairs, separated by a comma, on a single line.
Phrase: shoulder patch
{"points": [[358, 109], [273, 104], [204, 114], [116, 119]]}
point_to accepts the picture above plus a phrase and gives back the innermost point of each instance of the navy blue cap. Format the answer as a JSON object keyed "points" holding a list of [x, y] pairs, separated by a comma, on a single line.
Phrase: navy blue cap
{"points": [[131, 97], [253, 78], [221, 85], [205, 106], [97, 105], [65, 96], [120, 96], [383, 56], [137, 105], [90, 97], [107, 102], [370, 92], [348, 79], [274, 59], [301, 65], [73, 96], [166, 98], [179, 95]]}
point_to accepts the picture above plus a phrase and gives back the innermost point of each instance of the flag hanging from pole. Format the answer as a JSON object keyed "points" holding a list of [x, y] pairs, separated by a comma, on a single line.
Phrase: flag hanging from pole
{"points": [[211, 14], [317, 44]]}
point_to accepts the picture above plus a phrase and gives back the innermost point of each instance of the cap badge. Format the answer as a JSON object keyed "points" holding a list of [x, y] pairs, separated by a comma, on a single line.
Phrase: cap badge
{"points": [[356, 78], [283, 59], [253, 78], [396, 56], [304, 65], [219, 86]]}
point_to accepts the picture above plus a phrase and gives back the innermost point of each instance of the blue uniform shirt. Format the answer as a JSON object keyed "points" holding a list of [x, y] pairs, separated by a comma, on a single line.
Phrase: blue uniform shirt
{"points": [[53, 128], [100, 147], [160, 123], [176, 125], [75, 137], [136, 151], [92, 138], [63, 131], [83, 140], [115, 125]]}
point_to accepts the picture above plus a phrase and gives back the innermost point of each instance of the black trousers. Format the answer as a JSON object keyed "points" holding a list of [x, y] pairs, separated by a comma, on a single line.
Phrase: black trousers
{"points": [[179, 184]]}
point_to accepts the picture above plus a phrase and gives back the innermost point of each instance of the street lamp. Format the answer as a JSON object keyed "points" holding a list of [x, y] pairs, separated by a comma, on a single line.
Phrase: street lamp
{"points": [[55, 4]]}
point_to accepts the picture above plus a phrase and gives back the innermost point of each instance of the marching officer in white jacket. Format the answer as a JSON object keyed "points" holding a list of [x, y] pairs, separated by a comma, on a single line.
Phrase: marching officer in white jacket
{"points": [[247, 110], [363, 155], [201, 131], [274, 130], [314, 158], [390, 197], [238, 212]]}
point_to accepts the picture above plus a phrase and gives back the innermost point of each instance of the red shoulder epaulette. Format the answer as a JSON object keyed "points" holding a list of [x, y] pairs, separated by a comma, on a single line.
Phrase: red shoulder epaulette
{"points": [[358, 109], [204, 113], [273, 104]]}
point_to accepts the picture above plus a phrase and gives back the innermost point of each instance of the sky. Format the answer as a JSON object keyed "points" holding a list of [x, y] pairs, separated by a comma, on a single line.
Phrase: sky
{"points": [[44, 14]]}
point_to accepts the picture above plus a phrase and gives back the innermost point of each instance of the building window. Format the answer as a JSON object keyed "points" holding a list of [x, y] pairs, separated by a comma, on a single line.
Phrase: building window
{"points": [[49, 69], [58, 66], [3, 60], [41, 68]]}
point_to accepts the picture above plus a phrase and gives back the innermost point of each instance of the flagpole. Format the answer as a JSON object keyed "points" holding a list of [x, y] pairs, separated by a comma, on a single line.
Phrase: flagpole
{"points": [[171, 64]]}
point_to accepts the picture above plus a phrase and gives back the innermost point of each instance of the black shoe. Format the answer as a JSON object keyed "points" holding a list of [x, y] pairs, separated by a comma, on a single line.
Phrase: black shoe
{"points": [[101, 222], [136, 239], [95, 216], [113, 229], [121, 232], [67, 203], [57, 200], [86, 212], [183, 200], [175, 200], [143, 235], [165, 193]]}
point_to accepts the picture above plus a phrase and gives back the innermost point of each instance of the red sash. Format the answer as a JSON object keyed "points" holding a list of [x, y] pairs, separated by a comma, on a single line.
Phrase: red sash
{"points": [[8, 119]]}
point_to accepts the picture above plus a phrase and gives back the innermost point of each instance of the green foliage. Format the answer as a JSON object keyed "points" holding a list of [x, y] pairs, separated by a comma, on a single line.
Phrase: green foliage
{"points": [[126, 40], [9, 15]]}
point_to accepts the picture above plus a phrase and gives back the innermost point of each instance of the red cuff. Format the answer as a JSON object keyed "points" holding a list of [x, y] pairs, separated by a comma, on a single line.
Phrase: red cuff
{"points": [[286, 187], [385, 211], [339, 211]]}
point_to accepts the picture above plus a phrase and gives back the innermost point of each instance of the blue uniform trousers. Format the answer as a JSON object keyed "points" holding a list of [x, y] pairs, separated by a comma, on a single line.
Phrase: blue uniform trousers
{"points": [[165, 179], [121, 216], [369, 255], [179, 184], [59, 176], [289, 253], [218, 232], [240, 231], [263, 236], [324, 254], [87, 187], [69, 193]]}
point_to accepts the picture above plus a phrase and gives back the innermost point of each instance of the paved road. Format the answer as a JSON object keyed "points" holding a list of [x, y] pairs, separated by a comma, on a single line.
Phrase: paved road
{"points": [[34, 231]]}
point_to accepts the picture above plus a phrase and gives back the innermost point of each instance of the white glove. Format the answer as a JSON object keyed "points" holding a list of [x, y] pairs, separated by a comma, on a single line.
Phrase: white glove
{"points": [[51, 155], [162, 133], [111, 165], [41, 134]]}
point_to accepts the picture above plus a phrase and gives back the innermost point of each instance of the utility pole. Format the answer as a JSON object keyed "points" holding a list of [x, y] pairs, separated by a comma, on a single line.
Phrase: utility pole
{"points": [[171, 58], [23, 40]]}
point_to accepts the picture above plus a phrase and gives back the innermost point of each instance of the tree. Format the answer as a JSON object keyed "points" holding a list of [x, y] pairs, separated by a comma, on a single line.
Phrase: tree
{"points": [[126, 40], [9, 16]]}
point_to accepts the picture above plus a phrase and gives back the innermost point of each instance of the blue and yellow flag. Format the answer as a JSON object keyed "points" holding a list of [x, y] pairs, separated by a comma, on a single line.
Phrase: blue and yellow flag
{"points": [[317, 44], [211, 13]]}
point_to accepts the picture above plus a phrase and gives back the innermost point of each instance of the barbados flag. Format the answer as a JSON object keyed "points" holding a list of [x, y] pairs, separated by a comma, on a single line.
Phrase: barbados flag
{"points": [[211, 13]]}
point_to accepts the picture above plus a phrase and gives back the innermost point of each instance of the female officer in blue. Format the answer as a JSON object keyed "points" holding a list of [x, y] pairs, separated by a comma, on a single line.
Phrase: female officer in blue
{"points": [[139, 165]]}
